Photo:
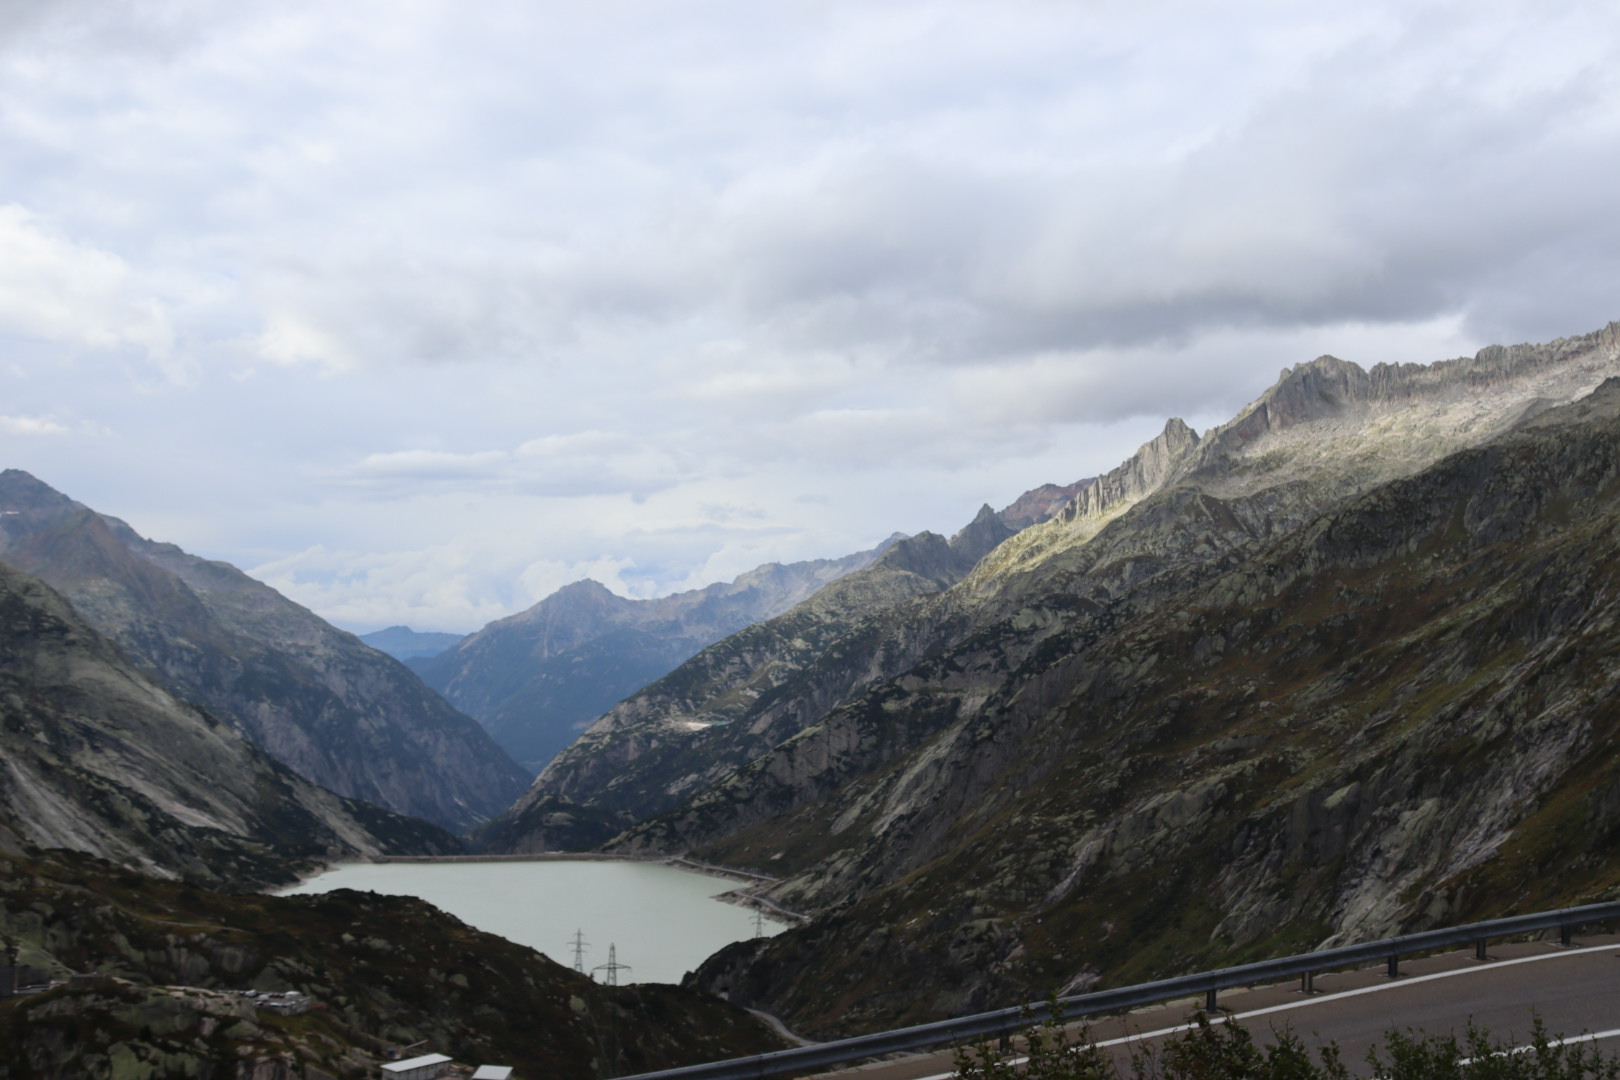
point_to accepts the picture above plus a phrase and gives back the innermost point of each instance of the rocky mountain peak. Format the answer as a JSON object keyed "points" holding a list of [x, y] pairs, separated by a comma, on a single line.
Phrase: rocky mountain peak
{"points": [[981, 535], [1145, 472]]}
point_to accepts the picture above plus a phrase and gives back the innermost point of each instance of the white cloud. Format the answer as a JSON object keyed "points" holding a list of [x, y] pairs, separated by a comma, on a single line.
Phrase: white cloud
{"points": [[31, 425], [72, 293], [629, 285]]}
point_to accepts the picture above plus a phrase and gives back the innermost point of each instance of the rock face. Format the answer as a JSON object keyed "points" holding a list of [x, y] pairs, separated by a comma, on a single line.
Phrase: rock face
{"points": [[1342, 666], [315, 698], [96, 757], [537, 679]]}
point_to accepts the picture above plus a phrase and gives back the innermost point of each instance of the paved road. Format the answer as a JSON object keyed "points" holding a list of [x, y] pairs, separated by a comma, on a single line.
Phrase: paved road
{"points": [[1574, 990]]}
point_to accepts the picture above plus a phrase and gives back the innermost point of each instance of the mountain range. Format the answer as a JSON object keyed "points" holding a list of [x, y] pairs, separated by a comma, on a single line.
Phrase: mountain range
{"points": [[1341, 667], [1334, 669], [536, 679]]}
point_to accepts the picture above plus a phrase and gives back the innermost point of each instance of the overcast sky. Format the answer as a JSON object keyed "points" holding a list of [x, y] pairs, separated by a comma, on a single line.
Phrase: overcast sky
{"points": [[420, 310]]}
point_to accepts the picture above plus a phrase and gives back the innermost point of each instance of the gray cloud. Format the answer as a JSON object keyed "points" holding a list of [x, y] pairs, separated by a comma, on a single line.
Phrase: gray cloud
{"points": [[594, 278]]}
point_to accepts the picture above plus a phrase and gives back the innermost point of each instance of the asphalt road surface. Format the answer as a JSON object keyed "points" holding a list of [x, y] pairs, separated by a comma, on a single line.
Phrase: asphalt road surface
{"points": [[1575, 991]]}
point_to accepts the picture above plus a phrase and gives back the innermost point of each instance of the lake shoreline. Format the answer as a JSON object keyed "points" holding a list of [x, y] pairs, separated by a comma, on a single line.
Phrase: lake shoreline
{"points": [[640, 903]]}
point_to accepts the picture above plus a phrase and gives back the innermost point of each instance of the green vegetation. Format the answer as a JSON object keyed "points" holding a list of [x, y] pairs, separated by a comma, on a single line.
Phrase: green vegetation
{"points": [[1228, 1051]]}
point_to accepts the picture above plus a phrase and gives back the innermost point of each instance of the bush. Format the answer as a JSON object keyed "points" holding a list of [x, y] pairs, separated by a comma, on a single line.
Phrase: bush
{"points": [[1227, 1051]]}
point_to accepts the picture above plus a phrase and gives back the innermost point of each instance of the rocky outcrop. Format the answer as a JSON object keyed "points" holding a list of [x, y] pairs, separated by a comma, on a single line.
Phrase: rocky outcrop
{"points": [[315, 698], [537, 679], [96, 757]]}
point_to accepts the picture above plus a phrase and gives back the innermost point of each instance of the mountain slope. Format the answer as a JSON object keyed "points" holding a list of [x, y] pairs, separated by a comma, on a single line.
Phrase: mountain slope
{"points": [[536, 679], [96, 757], [337, 712], [927, 734], [1401, 714]]}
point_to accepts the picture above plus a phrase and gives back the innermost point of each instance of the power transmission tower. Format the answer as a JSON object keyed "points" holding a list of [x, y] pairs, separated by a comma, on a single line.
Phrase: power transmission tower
{"points": [[759, 922], [612, 967], [580, 945]]}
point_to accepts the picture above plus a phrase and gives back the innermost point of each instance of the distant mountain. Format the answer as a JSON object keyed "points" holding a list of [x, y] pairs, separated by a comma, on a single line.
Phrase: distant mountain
{"points": [[535, 680], [403, 643], [1340, 667], [315, 698], [99, 758], [716, 711]]}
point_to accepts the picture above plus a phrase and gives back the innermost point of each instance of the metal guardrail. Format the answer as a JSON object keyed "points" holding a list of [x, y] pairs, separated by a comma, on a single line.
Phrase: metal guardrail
{"points": [[1007, 1021]]}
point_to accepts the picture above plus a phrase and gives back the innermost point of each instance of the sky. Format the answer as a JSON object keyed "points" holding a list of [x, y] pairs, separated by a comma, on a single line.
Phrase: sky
{"points": [[418, 311]]}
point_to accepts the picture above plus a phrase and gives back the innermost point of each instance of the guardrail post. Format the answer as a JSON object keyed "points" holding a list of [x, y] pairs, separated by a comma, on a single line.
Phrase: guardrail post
{"points": [[1394, 966], [1307, 982], [1565, 935], [1209, 1000], [1479, 950]]}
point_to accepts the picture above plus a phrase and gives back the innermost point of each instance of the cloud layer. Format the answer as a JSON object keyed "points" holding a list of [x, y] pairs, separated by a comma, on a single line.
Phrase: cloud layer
{"points": [[425, 310]]}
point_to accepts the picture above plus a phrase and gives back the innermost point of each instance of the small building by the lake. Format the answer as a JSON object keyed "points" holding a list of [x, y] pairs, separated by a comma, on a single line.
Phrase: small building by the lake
{"points": [[426, 1067]]}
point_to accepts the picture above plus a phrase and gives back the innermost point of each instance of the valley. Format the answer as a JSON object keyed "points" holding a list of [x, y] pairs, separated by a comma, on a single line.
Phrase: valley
{"points": [[1342, 667]]}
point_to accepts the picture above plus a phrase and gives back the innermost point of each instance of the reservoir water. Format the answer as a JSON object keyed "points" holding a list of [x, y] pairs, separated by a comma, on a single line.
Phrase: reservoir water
{"points": [[664, 922]]}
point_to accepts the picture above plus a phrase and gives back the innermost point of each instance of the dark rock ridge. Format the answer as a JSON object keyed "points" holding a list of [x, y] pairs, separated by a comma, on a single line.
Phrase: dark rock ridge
{"points": [[97, 757], [403, 643], [314, 697], [1194, 717], [536, 679]]}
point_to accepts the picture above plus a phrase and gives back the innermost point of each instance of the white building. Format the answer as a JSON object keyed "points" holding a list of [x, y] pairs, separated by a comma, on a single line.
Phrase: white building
{"points": [[426, 1067], [493, 1072]]}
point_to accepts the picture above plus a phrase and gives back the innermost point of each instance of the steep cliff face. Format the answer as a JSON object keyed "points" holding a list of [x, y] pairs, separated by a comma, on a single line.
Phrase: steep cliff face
{"points": [[1401, 714], [537, 679], [315, 698], [96, 757]]}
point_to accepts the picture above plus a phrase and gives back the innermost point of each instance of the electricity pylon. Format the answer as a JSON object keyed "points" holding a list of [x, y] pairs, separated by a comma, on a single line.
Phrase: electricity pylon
{"points": [[580, 945], [612, 967]]}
